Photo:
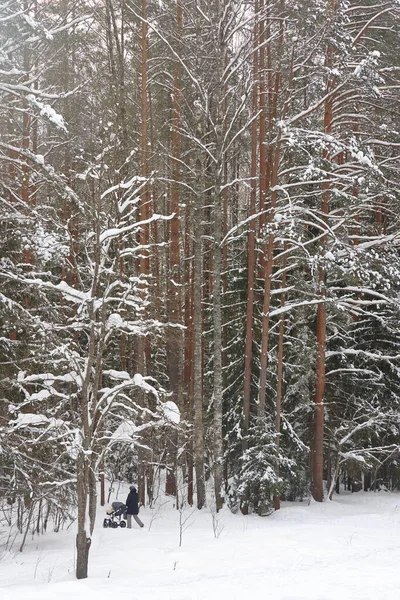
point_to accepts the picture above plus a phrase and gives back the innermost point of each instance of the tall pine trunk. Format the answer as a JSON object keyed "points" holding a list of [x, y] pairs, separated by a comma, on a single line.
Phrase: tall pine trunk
{"points": [[174, 336], [318, 439], [271, 177], [251, 260], [144, 261]]}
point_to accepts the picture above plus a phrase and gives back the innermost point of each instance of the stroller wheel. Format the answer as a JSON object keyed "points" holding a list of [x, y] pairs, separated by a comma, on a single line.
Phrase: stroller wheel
{"points": [[105, 523], [122, 524], [114, 524]]}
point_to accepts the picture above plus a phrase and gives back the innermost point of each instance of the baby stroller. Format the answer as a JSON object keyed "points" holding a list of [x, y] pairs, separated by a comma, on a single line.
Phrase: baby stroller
{"points": [[115, 515]]}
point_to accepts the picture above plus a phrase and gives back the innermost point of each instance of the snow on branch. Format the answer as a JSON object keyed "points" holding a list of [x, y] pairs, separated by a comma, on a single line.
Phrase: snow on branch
{"points": [[289, 307], [68, 292], [48, 112], [117, 231], [369, 291], [126, 185], [30, 419], [352, 352]]}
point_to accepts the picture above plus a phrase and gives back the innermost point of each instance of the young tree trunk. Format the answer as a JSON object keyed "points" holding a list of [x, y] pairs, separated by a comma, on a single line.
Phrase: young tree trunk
{"points": [[279, 374], [318, 445], [83, 539], [85, 508], [198, 359], [86, 493], [188, 346], [144, 261], [28, 522], [334, 478], [217, 353]]}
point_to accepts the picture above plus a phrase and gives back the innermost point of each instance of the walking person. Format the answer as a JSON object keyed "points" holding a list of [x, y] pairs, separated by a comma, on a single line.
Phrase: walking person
{"points": [[132, 507]]}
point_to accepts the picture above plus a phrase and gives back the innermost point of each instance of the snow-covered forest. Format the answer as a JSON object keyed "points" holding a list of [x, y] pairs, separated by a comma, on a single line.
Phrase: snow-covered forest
{"points": [[199, 255]]}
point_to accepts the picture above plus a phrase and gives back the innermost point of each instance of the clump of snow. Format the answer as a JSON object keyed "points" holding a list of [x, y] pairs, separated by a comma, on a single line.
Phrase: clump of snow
{"points": [[42, 395], [140, 381], [329, 256], [71, 293], [125, 432], [363, 159], [115, 321], [31, 419], [119, 375], [47, 111], [171, 411]]}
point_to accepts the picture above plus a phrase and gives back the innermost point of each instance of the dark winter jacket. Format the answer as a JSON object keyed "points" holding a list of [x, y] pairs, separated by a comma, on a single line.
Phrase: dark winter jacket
{"points": [[132, 502]]}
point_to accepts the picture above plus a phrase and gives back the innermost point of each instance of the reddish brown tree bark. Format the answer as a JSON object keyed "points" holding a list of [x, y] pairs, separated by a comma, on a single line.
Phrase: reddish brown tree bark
{"points": [[251, 259], [144, 235], [268, 262], [262, 120], [318, 441], [174, 341]]}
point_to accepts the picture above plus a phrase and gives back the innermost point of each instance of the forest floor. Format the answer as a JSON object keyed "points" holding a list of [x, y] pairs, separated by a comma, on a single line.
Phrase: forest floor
{"points": [[347, 549]]}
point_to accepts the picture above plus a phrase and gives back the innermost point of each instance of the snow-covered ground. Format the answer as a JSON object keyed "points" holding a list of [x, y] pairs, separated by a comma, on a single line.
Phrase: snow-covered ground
{"points": [[348, 549]]}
